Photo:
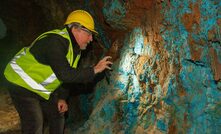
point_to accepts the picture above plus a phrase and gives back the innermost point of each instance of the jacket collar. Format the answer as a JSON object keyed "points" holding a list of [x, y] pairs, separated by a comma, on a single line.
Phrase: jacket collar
{"points": [[76, 48]]}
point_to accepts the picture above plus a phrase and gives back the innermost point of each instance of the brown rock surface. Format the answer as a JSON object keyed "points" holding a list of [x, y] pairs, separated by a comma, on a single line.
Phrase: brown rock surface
{"points": [[9, 123]]}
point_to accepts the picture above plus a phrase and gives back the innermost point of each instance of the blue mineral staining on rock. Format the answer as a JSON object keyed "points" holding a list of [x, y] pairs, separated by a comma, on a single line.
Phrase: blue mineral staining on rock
{"points": [[162, 88]]}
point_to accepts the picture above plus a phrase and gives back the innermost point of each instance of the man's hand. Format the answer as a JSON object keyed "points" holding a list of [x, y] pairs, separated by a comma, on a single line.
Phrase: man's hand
{"points": [[62, 106], [103, 64]]}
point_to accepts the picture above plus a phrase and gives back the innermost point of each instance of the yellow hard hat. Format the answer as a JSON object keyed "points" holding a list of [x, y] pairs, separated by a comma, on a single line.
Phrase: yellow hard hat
{"points": [[82, 17]]}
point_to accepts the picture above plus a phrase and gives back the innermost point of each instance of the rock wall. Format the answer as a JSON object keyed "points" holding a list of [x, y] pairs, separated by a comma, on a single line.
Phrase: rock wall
{"points": [[167, 79], [2, 29]]}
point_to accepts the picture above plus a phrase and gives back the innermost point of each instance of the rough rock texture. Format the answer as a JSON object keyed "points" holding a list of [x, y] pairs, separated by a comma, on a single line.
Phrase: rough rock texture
{"points": [[9, 117], [167, 79], [166, 74]]}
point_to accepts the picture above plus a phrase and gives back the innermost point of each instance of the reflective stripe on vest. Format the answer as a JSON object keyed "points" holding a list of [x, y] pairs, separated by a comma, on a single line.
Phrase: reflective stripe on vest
{"points": [[39, 82], [49, 80], [25, 76]]}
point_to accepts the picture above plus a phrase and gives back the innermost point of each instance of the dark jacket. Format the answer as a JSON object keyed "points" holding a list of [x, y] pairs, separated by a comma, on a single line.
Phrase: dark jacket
{"points": [[52, 51]]}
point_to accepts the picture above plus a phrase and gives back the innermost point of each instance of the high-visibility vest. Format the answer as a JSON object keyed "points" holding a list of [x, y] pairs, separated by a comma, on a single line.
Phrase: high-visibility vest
{"points": [[24, 70]]}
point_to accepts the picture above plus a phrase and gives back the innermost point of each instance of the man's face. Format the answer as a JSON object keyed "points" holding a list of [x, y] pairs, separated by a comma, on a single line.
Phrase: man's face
{"points": [[83, 38]]}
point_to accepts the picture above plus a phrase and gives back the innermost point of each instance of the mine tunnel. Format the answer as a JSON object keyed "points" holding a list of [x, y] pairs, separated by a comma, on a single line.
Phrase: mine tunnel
{"points": [[166, 71]]}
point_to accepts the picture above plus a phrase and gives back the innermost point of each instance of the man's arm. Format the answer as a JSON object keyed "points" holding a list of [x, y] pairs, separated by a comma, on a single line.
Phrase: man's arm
{"points": [[52, 51]]}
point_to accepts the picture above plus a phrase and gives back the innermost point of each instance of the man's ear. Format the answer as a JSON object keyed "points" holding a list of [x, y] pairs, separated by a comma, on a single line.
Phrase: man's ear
{"points": [[75, 29]]}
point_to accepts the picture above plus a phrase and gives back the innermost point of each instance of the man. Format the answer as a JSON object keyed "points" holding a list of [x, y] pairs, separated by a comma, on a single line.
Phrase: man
{"points": [[38, 71]]}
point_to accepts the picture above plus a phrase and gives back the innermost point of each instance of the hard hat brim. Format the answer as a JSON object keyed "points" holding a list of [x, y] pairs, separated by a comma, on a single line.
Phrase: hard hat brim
{"points": [[94, 32]]}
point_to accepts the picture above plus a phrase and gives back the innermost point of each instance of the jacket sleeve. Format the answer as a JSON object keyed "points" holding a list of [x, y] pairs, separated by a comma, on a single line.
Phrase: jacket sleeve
{"points": [[52, 51], [63, 93]]}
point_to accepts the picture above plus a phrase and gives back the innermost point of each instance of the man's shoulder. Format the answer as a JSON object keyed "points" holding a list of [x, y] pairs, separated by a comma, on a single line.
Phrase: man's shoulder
{"points": [[54, 39]]}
